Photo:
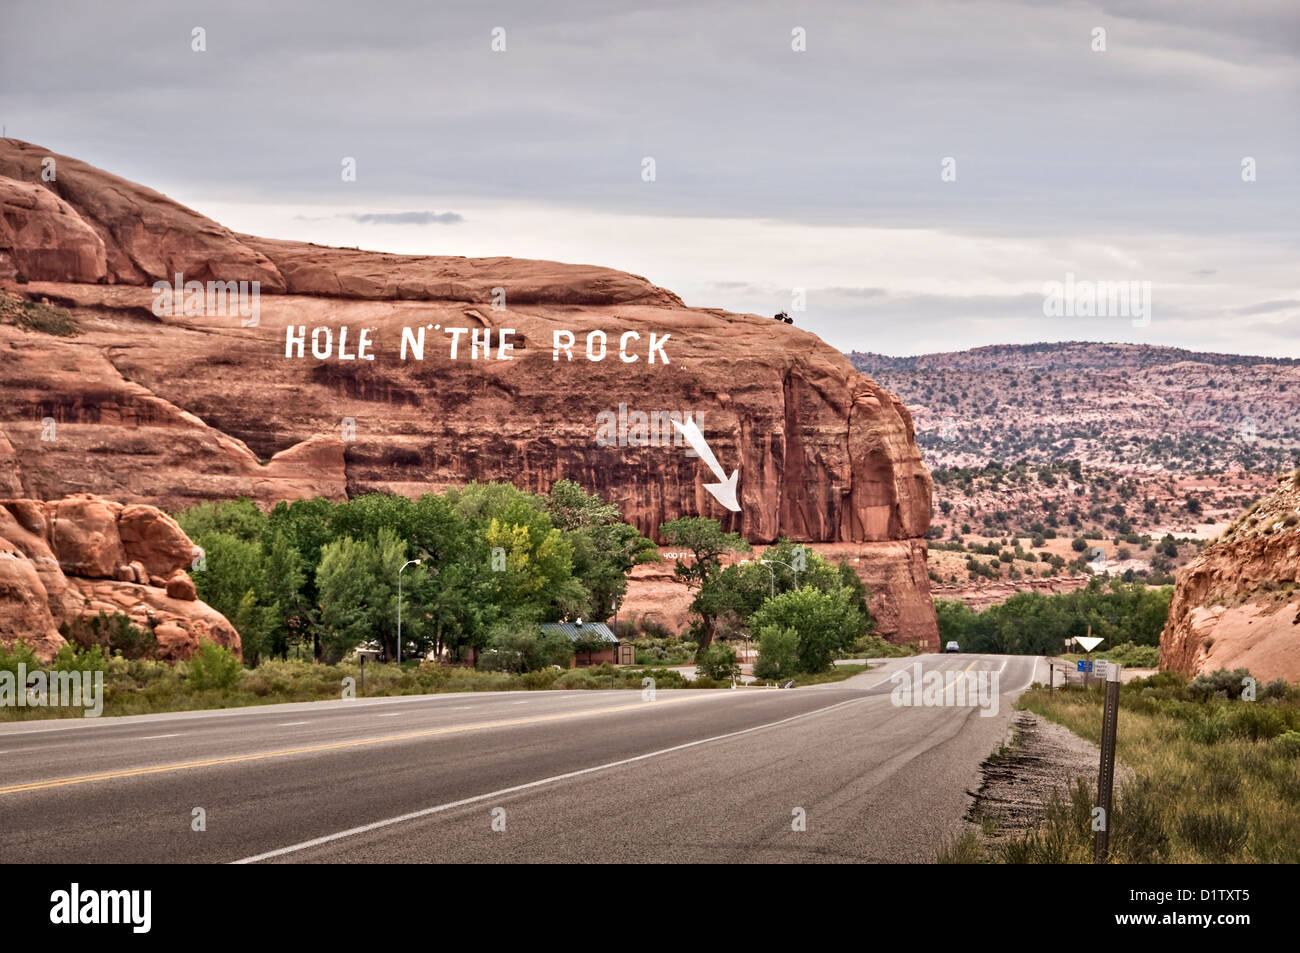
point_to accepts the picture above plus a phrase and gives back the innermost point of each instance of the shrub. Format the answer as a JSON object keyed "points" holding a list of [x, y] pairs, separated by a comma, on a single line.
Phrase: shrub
{"points": [[541, 678], [116, 633], [578, 678], [70, 660], [1288, 743], [20, 653], [778, 652], [213, 667], [718, 663], [1222, 683], [1255, 721]]}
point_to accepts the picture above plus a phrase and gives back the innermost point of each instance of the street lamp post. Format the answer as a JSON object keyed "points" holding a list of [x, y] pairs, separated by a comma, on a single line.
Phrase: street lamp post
{"points": [[409, 562], [772, 572]]}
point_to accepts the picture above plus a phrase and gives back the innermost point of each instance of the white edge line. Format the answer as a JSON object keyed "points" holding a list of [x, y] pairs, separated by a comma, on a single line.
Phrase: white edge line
{"points": [[425, 812], [175, 734]]}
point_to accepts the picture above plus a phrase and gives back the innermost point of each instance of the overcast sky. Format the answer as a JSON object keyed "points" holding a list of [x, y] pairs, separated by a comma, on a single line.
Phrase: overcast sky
{"points": [[775, 169]]}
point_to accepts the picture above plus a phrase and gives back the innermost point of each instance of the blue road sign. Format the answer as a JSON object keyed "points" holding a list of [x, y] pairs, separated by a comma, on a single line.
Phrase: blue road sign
{"points": [[1084, 666]]}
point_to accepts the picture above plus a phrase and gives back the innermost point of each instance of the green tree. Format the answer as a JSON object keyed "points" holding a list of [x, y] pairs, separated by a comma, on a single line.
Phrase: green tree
{"points": [[357, 581], [718, 662], [604, 548], [707, 544], [826, 622]]}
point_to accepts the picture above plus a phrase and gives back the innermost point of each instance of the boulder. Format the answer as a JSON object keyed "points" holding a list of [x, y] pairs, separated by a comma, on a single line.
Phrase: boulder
{"points": [[154, 539], [39, 591], [84, 537], [181, 586]]}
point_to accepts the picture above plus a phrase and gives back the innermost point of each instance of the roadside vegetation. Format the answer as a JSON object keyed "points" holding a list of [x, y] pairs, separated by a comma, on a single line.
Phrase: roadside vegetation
{"points": [[1216, 775], [316, 579], [215, 678], [1032, 623], [311, 582]]}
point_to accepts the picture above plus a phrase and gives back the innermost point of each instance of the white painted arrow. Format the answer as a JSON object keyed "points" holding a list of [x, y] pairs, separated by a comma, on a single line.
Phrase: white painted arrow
{"points": [[723, 491]]}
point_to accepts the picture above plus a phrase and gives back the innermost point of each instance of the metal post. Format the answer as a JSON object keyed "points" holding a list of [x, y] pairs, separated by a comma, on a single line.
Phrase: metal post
{"points": [[409, 562], [363, 674], [1106, 770]]}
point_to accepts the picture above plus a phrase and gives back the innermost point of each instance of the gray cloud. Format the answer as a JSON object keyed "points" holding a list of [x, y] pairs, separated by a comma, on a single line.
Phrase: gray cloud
{"points": [[407, 218], [1267, 307], [1052, 141]]}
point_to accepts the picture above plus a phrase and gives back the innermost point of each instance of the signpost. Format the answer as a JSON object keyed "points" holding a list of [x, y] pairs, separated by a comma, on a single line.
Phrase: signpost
{"points": [[1089, 642], [1106, 770]]}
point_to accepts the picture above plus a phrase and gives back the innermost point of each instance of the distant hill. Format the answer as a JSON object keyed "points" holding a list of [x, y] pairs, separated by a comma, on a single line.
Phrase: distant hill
{"points": [[1117, 406], [1066, 450]]}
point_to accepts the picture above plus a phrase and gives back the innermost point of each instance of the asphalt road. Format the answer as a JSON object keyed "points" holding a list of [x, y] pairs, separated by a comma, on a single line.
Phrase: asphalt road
{"points": [[691, 776]]}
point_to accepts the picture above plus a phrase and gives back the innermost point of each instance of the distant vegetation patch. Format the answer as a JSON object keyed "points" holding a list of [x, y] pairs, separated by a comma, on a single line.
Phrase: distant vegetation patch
{"points": [[1031, 623], [38, 316]]}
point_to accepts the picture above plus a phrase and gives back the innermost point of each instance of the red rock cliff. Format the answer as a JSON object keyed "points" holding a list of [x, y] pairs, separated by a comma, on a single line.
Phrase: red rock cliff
{"points": [[174, 410], [1236, 605]]}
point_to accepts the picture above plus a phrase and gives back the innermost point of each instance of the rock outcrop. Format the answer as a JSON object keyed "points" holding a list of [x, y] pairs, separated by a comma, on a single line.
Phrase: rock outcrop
{"points": [[170, 410], [84, 555], [1237, 604]]}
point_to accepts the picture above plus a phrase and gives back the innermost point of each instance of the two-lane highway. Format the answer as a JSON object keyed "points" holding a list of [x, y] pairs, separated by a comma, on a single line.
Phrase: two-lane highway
{"points": [[831, 773]]}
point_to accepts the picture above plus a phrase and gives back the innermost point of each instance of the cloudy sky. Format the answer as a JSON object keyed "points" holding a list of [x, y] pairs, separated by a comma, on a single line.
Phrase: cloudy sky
{"points": [[775, 169]]}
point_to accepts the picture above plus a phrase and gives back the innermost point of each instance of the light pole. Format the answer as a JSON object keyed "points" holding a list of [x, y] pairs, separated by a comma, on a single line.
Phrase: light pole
{"points": [[768, 564], [409, 562]]}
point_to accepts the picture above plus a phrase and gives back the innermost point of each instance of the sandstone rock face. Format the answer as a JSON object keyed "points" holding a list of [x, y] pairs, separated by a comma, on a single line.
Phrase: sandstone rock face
{"points": [[145, 236], [1236, 605], [83, 555], [42, 238], [174, 410]]}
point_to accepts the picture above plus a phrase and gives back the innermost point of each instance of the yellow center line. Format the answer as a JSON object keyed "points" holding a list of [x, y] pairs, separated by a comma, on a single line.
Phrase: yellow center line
{"points": [[332, 746]]}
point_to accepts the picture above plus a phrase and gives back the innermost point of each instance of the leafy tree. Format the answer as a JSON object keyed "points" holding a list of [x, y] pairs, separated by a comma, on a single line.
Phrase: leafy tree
{"points": [[289, 619], [707, 544], [826, 622], [718, 662], [232, 568], [238, 518], [357, 581]]}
